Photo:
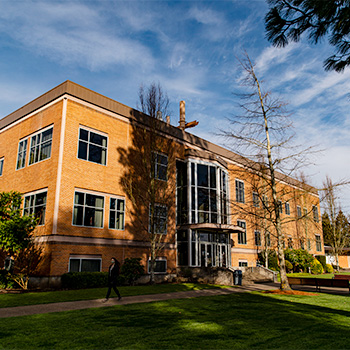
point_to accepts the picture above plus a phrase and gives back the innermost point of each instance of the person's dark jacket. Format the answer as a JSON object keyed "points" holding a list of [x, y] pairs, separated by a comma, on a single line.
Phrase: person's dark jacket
{"points": [[113, 273]]}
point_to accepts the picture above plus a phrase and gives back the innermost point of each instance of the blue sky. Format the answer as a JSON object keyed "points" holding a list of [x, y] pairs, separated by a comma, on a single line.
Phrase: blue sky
{"points": [[190, 47]]}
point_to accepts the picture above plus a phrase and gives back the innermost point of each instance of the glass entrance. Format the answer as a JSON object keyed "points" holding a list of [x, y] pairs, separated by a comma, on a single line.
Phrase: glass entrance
{"points": [[206, 255], [210, 249]]}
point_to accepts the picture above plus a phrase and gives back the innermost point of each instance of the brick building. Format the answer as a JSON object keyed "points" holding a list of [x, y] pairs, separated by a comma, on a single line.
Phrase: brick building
{"points": [[64, 152]]}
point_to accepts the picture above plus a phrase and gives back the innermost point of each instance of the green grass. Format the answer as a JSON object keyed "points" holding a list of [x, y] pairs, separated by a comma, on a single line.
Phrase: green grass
{"points": [[236, 321], [10, 300]]}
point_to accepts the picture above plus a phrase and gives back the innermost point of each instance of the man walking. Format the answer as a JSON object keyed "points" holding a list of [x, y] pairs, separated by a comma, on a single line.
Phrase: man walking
{"points": [[113, 273]]}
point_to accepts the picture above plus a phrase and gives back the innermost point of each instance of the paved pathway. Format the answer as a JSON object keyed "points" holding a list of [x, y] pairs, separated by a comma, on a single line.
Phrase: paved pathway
{"points": [[87, 304]]}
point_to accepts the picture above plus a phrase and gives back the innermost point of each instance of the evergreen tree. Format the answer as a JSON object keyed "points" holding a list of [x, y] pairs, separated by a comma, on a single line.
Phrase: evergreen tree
{"points": [[287, 20]]}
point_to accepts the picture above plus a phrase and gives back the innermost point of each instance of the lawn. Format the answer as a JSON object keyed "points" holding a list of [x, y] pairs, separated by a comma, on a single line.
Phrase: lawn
{"points": [[236, 321], [33, 298]]}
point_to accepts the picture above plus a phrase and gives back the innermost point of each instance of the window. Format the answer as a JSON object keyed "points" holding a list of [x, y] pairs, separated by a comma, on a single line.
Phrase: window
{"points": [[315, 212], [160, 265], [242, 236], [77, 264], [92, 146], [202, 193], [290, 242], [160, 162], [243, 263], [88, 210], [302, 246], [305, 212], [239, 191], [280, 206], [255, 200], [265, 201], [1, 165], [298, 211], [116, 213], [22, 153], [160, 218], [207, 196], [287, 208], [181, 193], [40, 146], [318, 243], [257, 238], [35, 204], [268, 239], [309, 244]]}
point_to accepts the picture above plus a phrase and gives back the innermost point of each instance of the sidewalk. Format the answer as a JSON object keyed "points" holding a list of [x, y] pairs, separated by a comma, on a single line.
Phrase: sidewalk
{"points": [[88, 304]]}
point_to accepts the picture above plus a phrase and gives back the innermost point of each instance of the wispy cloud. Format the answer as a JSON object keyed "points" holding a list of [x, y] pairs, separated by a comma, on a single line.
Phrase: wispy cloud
{"points": [[320, 84], [64, 38]]}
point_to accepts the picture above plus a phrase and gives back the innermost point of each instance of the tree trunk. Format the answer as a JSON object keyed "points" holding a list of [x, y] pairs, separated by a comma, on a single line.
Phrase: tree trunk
{"points": [[284, 280]]}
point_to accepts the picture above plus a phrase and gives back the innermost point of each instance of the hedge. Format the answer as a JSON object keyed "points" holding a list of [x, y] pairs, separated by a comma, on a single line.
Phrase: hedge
{"points": [[77, 280]]}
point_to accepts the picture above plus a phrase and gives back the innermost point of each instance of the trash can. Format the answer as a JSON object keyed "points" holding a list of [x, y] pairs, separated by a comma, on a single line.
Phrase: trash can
{"points": [[237, 277]]}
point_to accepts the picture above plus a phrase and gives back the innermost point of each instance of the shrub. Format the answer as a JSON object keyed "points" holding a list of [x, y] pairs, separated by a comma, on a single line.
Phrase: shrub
{"points": [[299, 258], [322, 260], [329, 268], [6, 281], [78, 280], [316, 267], [289, 266], [132, 269]]}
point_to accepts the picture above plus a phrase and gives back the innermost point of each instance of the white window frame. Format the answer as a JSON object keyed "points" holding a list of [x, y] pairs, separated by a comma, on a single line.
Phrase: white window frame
{"points": [[40, 145], [287, 208], [83, 257], [23, 152], [318, 241], [116, 213], [84, 207], [97, 132], [2, 165], [257, 233], [239, 191], [157, 165], [32, 208], [245, 232], [315, 213], [166, 218], [192, 166], [299, 213], [157, 259], [256, 201], [241, 261]]}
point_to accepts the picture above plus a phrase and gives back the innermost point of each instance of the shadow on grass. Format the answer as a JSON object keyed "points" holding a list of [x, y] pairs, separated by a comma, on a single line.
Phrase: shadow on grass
{"points": [[241, 320]]}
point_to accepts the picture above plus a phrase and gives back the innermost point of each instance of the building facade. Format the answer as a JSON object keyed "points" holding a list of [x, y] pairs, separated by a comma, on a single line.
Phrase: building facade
{"points": [[69, 152]]}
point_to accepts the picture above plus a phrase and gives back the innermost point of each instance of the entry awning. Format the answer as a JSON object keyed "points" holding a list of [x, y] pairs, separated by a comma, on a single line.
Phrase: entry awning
{"points": [[223, 228]]}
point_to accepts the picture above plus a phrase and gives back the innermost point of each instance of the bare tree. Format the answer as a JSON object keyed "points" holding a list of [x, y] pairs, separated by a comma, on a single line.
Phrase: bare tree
{"points": [[336, 228], [149, 177], [262, 136], [153, 101]]}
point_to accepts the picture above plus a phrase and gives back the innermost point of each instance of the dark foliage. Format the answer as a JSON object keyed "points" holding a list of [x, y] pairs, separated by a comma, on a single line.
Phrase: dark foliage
{"points": [[322, 260], [79, 280], [288, 20], [132, 269], [300, 259]]}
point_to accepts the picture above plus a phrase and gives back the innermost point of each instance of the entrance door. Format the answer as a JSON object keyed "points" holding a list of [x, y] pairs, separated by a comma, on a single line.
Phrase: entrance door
{"points": [[222, 256], [206, 255]]}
